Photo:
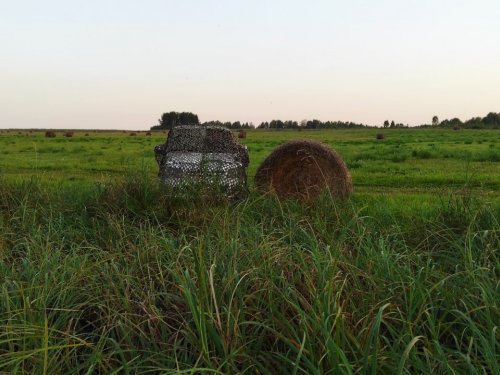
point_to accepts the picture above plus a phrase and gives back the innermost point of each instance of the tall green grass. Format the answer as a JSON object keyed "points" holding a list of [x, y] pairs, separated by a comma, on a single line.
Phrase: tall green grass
{"points": [[125, 278]]}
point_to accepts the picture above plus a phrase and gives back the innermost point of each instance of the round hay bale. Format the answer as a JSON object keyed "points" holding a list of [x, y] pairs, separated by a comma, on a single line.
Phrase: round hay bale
{"points": [[69, 134], [50, 134], [380, 136], [242, 134], [302, 170]]}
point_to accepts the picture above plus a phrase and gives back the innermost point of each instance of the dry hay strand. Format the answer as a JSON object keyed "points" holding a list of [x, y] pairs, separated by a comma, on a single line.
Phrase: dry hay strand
{"points": [[50, 134], [380, 136], [302, 170]]}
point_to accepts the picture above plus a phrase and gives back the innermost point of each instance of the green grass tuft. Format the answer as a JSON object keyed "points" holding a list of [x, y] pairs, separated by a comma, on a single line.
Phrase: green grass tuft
{"points": [[126, 278]]}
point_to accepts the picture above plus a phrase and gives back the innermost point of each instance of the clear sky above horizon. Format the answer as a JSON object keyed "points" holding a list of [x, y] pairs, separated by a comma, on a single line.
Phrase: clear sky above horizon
{"points": [[120, 64]]}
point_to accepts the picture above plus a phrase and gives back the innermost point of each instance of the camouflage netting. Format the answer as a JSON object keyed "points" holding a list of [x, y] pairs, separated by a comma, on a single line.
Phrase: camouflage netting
{"points": [[202, 154], [302, 170]]}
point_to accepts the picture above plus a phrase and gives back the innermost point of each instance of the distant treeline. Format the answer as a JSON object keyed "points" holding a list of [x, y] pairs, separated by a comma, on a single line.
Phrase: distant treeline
{"points": [[490, 121], [168, 120], [310, 124], [279, 124]]}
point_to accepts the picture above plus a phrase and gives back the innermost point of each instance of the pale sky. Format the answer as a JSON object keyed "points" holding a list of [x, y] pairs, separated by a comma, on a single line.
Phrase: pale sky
{"points": [[120, 64]]}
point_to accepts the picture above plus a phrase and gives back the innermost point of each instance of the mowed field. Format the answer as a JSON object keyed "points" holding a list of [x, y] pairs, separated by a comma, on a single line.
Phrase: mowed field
{"points": [[102, 271], [406, 160]]}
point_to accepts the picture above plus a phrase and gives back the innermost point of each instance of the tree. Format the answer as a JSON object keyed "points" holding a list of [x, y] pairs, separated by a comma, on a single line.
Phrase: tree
{"points": [[314, 124], [168, 120], [455, 122], [392, 124], [435, 121], [188, 118], [492, 118], [386, 123]]}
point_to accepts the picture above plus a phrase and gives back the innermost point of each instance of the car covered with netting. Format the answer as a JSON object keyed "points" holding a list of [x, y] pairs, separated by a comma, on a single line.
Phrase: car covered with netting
{"points": [[202, 156]]}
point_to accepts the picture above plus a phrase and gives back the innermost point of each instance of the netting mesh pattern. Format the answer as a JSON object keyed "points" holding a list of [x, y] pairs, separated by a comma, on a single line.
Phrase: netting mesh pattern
{"points": [[202, 154]]}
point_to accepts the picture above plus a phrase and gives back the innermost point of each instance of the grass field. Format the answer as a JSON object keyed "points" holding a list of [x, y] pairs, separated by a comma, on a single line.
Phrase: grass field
{"points": [[101, 272], [406, 159]]}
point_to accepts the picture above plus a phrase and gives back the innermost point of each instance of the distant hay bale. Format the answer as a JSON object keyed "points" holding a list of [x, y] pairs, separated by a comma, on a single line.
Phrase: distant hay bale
{"points": [[242, 134], [50, 134], [456, 127], [302, 170], [380, 136], [132, 134], [86, 134], [148, 134], [69, 134]]}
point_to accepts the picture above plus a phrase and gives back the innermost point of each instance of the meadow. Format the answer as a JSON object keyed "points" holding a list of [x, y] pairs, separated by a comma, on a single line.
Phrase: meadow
{"points": [[407, 159], [102, 271]]}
